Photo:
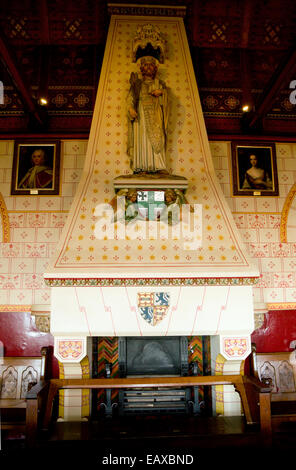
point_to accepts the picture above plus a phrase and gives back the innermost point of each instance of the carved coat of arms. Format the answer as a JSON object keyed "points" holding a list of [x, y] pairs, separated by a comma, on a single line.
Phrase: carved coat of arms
{"points": [[153, 306]]}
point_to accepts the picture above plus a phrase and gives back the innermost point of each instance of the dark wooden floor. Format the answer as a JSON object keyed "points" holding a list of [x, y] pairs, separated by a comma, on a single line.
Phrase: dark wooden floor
{"points": [[207, 440]]}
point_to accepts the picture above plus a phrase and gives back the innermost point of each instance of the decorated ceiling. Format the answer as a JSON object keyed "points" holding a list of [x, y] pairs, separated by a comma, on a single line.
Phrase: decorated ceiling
{"points": [[242, 52]]}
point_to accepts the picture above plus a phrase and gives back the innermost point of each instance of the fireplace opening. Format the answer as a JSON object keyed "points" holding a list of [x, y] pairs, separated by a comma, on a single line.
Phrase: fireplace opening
{"points": [[153, 356]]}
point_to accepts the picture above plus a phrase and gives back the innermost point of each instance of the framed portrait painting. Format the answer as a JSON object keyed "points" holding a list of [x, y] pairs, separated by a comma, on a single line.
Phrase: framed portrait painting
{"points": [[254, 170], [36, 168]]}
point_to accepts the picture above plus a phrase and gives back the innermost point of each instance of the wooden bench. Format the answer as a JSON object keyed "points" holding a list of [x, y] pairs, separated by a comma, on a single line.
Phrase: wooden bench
{"points": [[275, 369], [253, 393], [18, 377]]}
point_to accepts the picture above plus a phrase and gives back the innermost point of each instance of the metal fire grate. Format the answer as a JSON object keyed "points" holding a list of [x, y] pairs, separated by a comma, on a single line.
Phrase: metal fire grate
{"points": [[154, 401], [154, 356]]}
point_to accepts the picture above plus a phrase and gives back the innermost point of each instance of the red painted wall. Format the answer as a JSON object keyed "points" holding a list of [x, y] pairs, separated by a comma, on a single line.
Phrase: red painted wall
{"points": [[278, 330], [20, 337]]}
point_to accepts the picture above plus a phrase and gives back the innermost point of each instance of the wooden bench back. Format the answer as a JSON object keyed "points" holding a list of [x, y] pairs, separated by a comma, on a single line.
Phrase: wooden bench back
{"points": [[276, 367], [19, 374]]}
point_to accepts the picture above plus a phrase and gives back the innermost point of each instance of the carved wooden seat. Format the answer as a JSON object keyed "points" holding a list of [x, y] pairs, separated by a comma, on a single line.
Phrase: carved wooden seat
{"points": [[276, 370], [18, 377]]}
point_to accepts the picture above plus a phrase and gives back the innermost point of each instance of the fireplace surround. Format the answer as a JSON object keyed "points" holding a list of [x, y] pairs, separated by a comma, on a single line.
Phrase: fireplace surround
{"points": [[104, 287]]}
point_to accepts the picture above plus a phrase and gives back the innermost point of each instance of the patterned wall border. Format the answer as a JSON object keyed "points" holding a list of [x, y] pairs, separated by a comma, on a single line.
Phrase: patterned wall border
{"points": [[146, 10], [282, 306], [285, 213], [5, 221], [115, 282], [15, 308]]}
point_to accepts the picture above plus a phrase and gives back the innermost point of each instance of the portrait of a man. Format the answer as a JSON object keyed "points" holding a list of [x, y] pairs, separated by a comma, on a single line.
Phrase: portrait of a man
{"points": [[35, 168]]}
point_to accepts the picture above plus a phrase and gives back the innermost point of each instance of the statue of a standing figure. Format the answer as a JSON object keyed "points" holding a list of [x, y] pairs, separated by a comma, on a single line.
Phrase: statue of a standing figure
{"points": [[147, 106]]}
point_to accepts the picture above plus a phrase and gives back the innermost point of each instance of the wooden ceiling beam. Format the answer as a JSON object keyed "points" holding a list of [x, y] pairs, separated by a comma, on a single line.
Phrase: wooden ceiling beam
{"points": [[246, 23], [279, 79], [44, 72], [247, 97], [44, 24], [13, 69], [195, 22]]}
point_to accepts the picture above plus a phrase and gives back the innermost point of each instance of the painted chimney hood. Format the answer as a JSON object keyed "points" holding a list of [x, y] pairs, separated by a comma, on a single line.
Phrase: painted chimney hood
{"points": [[97, 284]]}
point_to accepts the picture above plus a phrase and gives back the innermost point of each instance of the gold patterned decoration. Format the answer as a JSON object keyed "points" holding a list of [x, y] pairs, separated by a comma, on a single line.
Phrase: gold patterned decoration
{"points": [[285, 213], [5, 221], [146, 10], [61, 392], [15, 308], [18, 27], [42, 322], [281, 306], [220, 361], [85, 408]]}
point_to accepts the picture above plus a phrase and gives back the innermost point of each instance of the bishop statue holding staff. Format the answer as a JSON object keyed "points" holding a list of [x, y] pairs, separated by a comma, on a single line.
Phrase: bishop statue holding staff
{"points": [[147, 107]]}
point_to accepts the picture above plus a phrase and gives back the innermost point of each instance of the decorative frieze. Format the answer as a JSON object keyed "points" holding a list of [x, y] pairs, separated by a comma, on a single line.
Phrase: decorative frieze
{"points": [[146, 10], [112, 282]]}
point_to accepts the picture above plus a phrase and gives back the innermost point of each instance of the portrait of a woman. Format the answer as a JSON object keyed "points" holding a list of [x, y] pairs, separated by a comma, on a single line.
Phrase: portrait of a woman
{"points": [[254, 169], [256, 177]]}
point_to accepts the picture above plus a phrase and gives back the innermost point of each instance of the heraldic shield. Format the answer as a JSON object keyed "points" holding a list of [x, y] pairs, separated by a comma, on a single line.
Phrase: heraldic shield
{"points": [[153, 306]]}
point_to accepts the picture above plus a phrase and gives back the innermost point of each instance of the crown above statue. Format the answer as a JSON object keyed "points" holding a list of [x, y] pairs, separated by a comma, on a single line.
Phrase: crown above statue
{"points": [[148, 41]]}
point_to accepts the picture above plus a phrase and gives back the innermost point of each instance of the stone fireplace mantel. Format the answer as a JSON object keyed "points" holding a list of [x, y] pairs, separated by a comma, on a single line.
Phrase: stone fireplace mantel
{"points": [[119, 311]]}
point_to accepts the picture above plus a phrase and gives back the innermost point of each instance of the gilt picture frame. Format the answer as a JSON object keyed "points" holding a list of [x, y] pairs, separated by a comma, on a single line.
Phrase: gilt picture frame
{"points": [[254, 169], [36, 168]]}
